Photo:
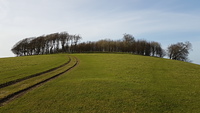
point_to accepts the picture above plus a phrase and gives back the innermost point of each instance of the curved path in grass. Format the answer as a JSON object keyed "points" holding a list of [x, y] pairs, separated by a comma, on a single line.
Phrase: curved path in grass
{"points": [[31, 76], [73, 62]]}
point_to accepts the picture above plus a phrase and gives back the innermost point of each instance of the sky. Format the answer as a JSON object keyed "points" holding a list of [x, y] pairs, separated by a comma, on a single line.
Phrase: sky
{"points": [[163, 21]]}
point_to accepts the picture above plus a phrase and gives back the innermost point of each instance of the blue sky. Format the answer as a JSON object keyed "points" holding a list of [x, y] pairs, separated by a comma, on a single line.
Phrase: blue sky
{"points": [[164, 21]]}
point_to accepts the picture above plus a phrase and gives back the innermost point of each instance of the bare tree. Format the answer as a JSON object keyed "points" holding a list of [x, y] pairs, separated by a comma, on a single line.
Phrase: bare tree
{"points": [[128, 41], [76, 40], [63, 39], [179, 51]]}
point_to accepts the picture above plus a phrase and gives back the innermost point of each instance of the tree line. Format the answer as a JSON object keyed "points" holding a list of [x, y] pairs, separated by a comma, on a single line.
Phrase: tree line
{"points": [[127, 44], [47, 44], [66, 43]]}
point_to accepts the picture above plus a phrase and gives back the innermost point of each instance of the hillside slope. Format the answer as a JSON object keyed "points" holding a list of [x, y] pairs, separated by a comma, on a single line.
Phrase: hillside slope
{"points": [[117, 83], [19, 67]]}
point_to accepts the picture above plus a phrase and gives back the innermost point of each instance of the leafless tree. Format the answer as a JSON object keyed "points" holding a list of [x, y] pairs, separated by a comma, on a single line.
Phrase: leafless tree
{"points": [[179, 51]]}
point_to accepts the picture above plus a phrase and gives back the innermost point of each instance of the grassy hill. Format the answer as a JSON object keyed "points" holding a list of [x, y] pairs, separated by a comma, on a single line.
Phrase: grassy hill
{"points": [[117, 83], [19, 67]]}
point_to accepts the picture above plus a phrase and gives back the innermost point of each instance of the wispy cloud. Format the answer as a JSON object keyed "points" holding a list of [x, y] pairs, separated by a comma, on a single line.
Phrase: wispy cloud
{"points": [[97, 19], [139, 22]]}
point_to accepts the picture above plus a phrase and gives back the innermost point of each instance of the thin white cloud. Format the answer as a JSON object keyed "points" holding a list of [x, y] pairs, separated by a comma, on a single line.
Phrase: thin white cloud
{"points": [[92, 19], [140, 22]]}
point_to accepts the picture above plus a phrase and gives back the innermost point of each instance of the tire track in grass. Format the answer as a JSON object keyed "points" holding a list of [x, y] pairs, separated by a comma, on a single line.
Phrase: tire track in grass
{"points": [[14, 95], [31, 76]]}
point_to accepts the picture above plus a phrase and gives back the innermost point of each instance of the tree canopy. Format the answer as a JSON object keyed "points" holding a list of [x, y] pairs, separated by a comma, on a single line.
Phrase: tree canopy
{"points": [[66, 43], [179, 51], [46, 44]]}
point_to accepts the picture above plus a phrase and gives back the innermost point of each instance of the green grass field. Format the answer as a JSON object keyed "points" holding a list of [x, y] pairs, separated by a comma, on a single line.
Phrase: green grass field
{"points": [[116, 83], [19, 67], [8, 90]]}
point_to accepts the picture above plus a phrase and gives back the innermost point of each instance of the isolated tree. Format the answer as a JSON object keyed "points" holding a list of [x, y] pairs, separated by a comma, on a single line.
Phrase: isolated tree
{"points": [[179, 51]]}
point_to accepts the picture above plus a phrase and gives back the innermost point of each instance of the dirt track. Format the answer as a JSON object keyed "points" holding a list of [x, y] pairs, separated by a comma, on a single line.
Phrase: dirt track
{"points": [[31, 76], [14, 95]]}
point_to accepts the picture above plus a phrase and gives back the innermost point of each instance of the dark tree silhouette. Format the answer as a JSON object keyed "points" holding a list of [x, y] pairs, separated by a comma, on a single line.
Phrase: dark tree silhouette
{"points": [[46, 44], [64, 42], [179, 51]]}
